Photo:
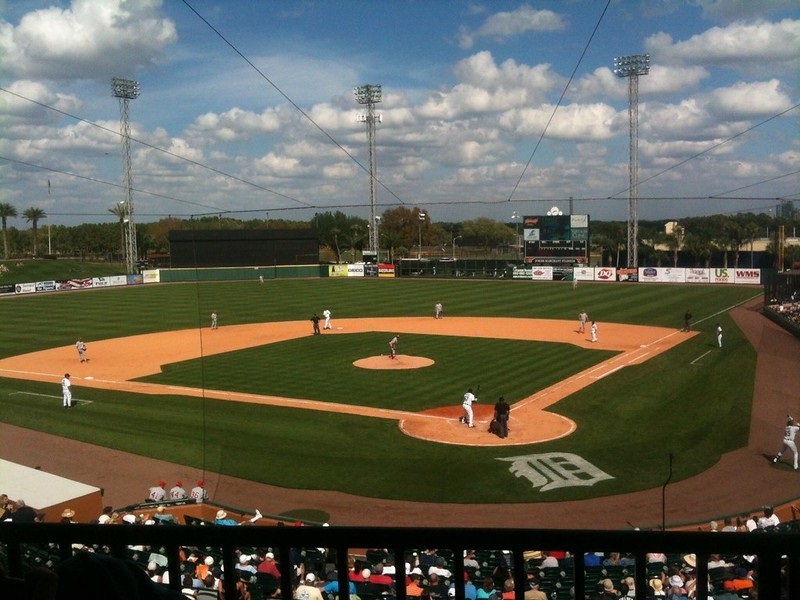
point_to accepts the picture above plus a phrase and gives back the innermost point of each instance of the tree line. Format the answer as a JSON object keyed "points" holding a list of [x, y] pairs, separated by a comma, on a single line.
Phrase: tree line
{"points": [[407, 232]]}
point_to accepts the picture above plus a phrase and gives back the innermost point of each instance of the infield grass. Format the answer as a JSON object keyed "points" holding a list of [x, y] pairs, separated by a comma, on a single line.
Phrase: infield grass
{"points": [[628, 423]]}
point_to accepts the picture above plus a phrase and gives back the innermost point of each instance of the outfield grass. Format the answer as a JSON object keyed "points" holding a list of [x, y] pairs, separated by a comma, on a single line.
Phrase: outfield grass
{"points": [[629, 422]]}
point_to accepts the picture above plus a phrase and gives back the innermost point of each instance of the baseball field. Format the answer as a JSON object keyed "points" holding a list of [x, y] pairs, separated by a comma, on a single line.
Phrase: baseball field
{"points": [[262, 399]]}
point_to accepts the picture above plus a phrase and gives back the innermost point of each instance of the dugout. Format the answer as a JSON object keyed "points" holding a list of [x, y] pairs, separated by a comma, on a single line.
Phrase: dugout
{"points": [[242, 247]]}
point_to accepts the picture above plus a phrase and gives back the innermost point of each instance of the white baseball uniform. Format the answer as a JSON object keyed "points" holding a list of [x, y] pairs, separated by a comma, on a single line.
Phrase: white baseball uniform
{"points": [[66, 392], [789, 435], [469, 415], [327, 314]]}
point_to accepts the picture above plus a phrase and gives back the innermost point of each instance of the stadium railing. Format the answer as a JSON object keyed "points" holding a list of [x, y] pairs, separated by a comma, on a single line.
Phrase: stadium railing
{"points": [[777, 552]]}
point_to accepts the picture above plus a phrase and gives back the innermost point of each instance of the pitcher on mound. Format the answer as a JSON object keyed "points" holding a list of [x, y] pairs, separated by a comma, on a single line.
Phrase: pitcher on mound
{"points": [[393, 347]]}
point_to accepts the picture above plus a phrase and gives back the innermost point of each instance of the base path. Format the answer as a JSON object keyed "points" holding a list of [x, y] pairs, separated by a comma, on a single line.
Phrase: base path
{"points": [[742, 481], [115, 363]]}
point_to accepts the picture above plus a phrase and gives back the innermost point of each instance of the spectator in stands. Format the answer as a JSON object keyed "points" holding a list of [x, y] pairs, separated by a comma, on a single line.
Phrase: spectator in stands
{"points": [[209, 589], [508, 589], [439, 568], [331, 588], [607, 589], [657, 588], [308, 589], [244, 566], [486, 590], [157, 493], [592, 559], [162, 517], [222, 518], [742, 581], [549, 560], [628, 588], [413, 587], [269, 566], [379, 578], [105, 516], [22, 513], [470, 591], [177, 492], [469, 560], [752, 523], [770, 519], [727, 525], [5, 508], [66, 516], [715, 561], [199, 493], [187, 586], [437, 587], [656, 557]]}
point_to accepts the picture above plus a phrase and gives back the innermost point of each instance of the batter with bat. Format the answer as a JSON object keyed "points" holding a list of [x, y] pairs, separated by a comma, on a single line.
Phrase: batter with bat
{"points": [[469, 415]]}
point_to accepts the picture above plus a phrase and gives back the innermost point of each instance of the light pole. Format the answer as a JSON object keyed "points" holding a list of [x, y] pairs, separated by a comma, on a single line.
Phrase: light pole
{"points": [[127, 90], [370, 95], [631, 67], [458, 237], [422, 216], [377, 239], [515, 218]]}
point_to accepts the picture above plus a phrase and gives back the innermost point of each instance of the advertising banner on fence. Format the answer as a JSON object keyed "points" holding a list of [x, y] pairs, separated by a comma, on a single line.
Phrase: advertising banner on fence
{"points": [[151, 276], [6, 288], [386, 270], [521, 273], [134, 279], [583, 273], [112, 281], [672, 274], [697, 276], [356, 270], [648, 274], [605, 274], [46, 286], [25, 288], [747, 276], [628, 274], [75, 284], [337, 270], [542, 273], [723, 275]]}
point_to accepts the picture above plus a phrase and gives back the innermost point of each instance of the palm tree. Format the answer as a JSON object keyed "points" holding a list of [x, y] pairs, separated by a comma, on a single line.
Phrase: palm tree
{"points": [[120, 210], [6, 210], [33, 215]]}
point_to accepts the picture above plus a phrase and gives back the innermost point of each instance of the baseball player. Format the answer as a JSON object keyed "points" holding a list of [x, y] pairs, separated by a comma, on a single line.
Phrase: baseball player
{"points": [[393, 346], [438, 310], [719, 335], [594, 331], [66, 392], [469, 415], [214, 320], [157, 493], [81, 347], [327, 314], [789, 433], [177, 492], [582, 318], [199, 493]]}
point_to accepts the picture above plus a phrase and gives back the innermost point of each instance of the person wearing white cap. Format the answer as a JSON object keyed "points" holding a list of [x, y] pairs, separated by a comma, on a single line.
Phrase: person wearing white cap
{"points": [[244, 564], [308, 590]]}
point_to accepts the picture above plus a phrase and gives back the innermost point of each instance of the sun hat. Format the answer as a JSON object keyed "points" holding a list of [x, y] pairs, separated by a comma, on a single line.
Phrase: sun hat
{"points": [[221, 514], [68, 513]]}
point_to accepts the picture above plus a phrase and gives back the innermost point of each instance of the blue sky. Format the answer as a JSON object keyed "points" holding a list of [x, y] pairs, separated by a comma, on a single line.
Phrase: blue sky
{"points": [[469, 98]]}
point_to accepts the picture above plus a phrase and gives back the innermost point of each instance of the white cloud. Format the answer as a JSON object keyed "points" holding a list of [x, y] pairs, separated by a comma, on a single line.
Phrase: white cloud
{"points": [[18, 106], [504, 25], [93, 39], [739, 44], [732, 10], [584, 122]]}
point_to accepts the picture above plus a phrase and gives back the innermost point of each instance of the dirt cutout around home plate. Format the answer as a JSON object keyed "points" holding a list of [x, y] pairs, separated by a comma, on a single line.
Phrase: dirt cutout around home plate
{"points": [[115, 363]]}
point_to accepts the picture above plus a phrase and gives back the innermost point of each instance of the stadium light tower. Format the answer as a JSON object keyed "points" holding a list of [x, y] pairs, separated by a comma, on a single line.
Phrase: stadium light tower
{"points": [[127, 90], [631, 67], [370, 95], [515, 217]]}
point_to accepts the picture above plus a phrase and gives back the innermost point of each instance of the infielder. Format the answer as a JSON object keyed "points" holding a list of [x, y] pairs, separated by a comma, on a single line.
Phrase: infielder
{"points": [[80, 346], [582, 318], [438, 310], [393, 346], [469, 415], [66, 392], [327, 314], [594, 331], [789, 433], [214, 319]]}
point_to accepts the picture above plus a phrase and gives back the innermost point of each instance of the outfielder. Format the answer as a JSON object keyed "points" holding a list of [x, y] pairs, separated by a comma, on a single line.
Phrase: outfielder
{"points": [[80, 346], [66, 392], [789, 433], [393, 346], [214, 320], [469, 415]]}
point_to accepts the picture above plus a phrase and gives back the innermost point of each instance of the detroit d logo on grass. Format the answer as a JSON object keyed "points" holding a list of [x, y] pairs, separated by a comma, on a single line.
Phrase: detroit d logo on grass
{"points": [[554, 470]]}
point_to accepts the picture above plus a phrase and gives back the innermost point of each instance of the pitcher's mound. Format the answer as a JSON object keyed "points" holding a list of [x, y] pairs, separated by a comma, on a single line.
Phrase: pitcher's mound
{"points": [[401, 361]]}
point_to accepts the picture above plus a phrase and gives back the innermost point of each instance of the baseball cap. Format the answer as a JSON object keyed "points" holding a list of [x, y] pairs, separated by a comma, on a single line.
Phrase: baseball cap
{"points": [[311, 578]]}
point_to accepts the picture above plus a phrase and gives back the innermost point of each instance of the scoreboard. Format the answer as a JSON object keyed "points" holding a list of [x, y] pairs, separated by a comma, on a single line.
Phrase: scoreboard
{"points": [[556, 239]]}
